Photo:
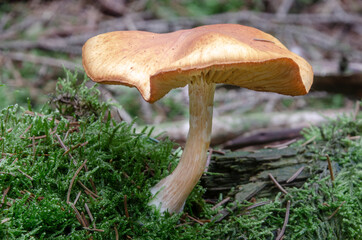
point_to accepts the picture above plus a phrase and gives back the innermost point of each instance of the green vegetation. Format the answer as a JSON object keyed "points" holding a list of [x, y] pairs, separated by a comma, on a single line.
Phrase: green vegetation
{"points": [[73, 98], [36, 173]]}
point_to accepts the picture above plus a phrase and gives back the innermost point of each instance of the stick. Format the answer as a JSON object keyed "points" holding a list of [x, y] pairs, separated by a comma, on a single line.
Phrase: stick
{"points": [[335, 211], [330, 168], [286, 219], [33, 144], [295, 175], [125, 206], [4, 195], [93, 186], [116, 231], [277, 184], [84, 219], [90, 215], [77, 197], [208, 160], [89, 194], [26, 175], [78, 216], [281, 145], [26, 130], [218, 152], [196, 220], [133, 182], [72, 181], [220, 203], [15, 160], [5, 220], [258, 205], [309, 141], [93, 230], [41, 115], [74, 147], [65, 148], [253, 206], [87, 189]]}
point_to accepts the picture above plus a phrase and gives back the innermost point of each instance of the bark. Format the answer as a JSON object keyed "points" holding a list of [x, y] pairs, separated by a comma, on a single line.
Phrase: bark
{"points": [[244, 175], [263, 137], [230, 126]]}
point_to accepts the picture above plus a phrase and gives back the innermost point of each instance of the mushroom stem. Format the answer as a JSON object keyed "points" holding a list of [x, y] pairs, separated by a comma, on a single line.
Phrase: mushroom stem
{"points": [[171, 192]]}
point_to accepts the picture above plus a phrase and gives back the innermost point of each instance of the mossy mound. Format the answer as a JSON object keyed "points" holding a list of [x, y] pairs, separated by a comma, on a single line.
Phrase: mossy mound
{"points": [[88, 177]]}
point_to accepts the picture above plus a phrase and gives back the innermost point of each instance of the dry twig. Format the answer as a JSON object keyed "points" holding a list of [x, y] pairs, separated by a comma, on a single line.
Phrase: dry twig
{"points": [[33, 145], [281, 234], [128, 177], [335, 211], [295, 175], [77, 198], [330, 168], [4, 195], [87, 189], [208, 160], [84, 219], [125, 206], [26, 175], [93, 229], [72, 181], [201, 222], [220, 203], [277, 184], [65, 148], [309, 141], [90, 215], [78, 215], [5, 220], [116, 232], [74, 147], [26, 130], [259, 204]]}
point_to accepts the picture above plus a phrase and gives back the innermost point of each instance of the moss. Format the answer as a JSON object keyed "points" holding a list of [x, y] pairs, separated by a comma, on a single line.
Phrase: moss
{"points": [[36, 172]]}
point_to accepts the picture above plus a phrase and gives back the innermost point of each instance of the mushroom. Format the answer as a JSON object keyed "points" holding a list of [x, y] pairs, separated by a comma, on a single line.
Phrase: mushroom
{"points": [[200, 58]]}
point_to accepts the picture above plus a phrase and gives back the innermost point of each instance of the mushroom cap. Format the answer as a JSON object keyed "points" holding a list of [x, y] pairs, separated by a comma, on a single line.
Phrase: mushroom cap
{"points": [[223, 53]]}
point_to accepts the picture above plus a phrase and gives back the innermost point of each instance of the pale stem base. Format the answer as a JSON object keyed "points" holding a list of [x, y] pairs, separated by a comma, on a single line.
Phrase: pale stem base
{"points": [[171, 192]]}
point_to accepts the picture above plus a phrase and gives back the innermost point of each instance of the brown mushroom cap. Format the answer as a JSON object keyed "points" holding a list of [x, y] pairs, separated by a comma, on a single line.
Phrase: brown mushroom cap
{"points": [[224, 53]]}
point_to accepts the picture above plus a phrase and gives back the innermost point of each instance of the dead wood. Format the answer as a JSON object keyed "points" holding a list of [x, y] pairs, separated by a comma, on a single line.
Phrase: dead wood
{"points": [[243, 175], [262, 137], [347, 84], [231, 126]]}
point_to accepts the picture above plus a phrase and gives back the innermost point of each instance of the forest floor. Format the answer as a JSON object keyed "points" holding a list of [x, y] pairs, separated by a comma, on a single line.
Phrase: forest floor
{"points": [[52, 186]]}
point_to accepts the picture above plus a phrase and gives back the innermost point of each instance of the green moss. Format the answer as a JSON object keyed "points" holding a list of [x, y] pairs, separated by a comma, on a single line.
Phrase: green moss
{"points": [[124, 164]]}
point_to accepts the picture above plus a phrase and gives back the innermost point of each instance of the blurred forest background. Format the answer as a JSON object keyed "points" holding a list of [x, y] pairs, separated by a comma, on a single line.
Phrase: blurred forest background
{"points": [[39, 38]]}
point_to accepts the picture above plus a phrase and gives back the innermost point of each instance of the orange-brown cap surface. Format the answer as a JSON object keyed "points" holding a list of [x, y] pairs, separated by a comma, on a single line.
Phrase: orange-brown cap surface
{"points": [[223, 53]]}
